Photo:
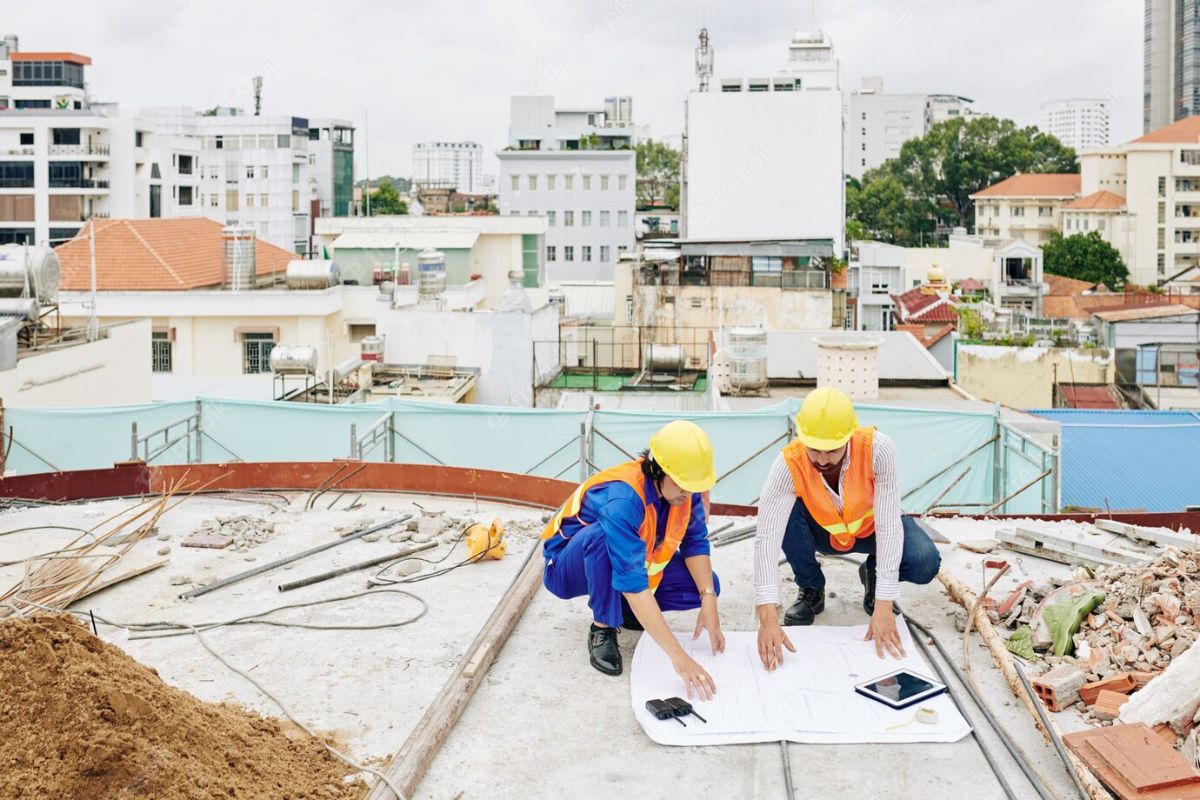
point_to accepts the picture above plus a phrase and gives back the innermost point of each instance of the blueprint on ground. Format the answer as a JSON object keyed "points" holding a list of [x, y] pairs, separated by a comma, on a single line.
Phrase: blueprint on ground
{"points": [[810, 698]]}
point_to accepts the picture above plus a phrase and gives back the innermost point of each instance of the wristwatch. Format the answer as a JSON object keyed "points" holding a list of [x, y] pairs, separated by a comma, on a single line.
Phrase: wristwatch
{"points": [[707, 591]]}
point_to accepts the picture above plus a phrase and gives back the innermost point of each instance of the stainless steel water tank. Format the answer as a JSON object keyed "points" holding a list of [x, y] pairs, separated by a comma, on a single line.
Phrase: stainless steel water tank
{"points": [[665, 357], [29, 272], [26, 307], [431, 273], [300, 360], [747, 357], [302, 274]]}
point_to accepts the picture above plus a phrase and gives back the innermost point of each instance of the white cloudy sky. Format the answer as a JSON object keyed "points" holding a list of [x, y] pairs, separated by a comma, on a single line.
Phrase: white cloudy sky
{"points": [[445, 70]]}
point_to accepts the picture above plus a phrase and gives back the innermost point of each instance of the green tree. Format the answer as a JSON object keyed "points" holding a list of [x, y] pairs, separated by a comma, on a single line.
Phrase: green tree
{"points": [[657, 166], [883, 209], [1085, 257], [385, 200], [935, 175]]}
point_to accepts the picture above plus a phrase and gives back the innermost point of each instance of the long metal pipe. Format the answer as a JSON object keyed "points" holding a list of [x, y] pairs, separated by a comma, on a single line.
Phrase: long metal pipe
{"points": [[370, 562], [250, 573]]}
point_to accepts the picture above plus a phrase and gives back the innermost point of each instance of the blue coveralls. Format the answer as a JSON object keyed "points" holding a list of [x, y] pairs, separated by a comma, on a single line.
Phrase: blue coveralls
{"points": [[599, 553]]}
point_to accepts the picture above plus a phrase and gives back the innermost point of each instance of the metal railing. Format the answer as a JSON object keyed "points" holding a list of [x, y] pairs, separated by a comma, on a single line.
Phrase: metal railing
{"points": [[787, 279], [79, 150]]}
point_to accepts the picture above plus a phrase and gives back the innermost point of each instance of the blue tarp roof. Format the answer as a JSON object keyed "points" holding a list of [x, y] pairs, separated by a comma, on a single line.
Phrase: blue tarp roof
{"points": [[1129, 459]]}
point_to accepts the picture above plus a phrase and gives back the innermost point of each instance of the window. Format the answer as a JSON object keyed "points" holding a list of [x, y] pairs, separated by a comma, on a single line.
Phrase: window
{"points": [[1018, 211], [622, 219], [1100, 224], [516, 183], [249, 201], [587, 182], [531, 213], [568, 182], [1162, 213], [185, 195], [295, 174], [604, 183], [551, 252], [256, 352], [16, 174], [605, 253], [568, 220], [604, 218], [262, 200], [1162, 181], [312, 159], [550, 181], [283, 141], [1045, 211], [160, 351], [155, 202], [586, 253], [585, 218], [65, 136], [533, 183], [27, 139], [295, 200], [551, 218], [231, 200], [249, 171], [16, 235], [214, 200], [568, 252], [138, 138], [185, 165]]}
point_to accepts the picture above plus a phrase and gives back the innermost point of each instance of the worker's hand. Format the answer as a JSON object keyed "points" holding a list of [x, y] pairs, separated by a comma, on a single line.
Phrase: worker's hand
{"points": [[882, 629], [709, 620], [771, 638], [694, 677]]}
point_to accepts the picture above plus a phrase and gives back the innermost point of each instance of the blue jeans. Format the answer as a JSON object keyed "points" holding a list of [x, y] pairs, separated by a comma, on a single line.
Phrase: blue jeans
{"points": [[804, 537], [582, 567]]}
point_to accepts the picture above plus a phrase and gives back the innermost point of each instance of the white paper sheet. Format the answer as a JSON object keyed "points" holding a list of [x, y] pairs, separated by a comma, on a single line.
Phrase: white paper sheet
{"points": [[810, 698]]}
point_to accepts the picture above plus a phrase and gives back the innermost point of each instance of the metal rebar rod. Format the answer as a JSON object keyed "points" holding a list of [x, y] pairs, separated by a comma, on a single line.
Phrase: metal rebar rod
{"points": [[600, 433], [789, 786], [241, 576], [1004, 500], [946, 491], [333, 573], [751, 457], [947, 468], [1054, 738]]}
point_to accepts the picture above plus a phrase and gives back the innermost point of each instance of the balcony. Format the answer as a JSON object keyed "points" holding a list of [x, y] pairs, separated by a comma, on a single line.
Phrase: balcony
{"points": [[19, 151], [77, 183], [785, 279], [77, 150]]}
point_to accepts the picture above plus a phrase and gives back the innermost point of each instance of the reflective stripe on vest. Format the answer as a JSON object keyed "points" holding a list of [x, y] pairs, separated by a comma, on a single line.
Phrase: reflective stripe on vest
{"points": [[630, 473], [857, 517]]}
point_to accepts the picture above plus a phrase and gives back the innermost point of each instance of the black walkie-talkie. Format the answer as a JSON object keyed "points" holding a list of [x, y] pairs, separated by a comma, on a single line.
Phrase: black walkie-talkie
{"points": [[681, 708], [662, 709]]}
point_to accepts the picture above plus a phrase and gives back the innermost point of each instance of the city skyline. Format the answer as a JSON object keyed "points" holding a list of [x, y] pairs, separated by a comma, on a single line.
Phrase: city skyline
{"points": [[410, 74]]}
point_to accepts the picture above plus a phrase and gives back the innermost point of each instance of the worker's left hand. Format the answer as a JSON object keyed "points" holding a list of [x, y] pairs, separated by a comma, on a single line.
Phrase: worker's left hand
{"points": [[882, 629], [709, 620]]}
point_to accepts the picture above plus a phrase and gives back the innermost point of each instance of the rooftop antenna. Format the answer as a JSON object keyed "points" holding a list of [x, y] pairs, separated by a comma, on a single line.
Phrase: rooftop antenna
{"points": [[258, 95], [704, 61]]}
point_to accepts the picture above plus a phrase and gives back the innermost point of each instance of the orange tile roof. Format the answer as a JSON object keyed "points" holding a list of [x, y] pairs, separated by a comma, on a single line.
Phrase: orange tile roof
{"points": [[1062, 285], [1098, 200], [74, 58], [1185, 131], [156, 255], [1062, 307], [1034, 184]]}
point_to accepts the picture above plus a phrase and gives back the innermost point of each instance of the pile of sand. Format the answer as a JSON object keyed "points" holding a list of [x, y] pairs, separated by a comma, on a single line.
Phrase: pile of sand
{"points": [[80, 719]]}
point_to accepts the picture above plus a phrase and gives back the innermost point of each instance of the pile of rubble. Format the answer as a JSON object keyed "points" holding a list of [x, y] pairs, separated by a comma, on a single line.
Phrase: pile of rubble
{"points": [[1148, 618], [246, 531]]}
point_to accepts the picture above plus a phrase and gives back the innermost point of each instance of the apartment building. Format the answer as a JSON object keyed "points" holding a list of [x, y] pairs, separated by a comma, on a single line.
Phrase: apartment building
{"points": [[1026, 206]]}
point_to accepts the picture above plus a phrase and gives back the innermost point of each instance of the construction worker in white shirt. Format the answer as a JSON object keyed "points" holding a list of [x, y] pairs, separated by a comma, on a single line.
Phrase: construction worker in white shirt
{"points": [[835, 489]]}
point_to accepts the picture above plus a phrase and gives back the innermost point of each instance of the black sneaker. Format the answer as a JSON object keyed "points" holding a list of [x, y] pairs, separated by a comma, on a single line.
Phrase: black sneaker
{"points": [[867, 577], [602, 647], [802, 612]]}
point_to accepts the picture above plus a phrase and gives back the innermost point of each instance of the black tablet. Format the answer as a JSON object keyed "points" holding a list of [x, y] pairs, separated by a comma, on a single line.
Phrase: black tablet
{"points": [[900, 689]]}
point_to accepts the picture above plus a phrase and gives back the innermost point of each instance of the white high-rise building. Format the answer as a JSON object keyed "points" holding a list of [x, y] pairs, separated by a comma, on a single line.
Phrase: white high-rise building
{"points": [[1078, 123], [877, 124], [577, 168], [457, 164], [763, 155]]}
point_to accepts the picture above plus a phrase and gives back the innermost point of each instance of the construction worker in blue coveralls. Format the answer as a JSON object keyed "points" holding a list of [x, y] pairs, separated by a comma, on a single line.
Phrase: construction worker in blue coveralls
{"points": [[634, 539]]}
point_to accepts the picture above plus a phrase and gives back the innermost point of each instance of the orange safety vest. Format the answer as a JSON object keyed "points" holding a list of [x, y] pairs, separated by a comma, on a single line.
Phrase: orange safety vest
{"points": [[630, 473], [857, 518]]}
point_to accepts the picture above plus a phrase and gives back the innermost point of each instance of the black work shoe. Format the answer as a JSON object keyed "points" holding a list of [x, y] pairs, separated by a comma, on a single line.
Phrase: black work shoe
{"points": [[629, 621], [868, 581], [602, 647], [810, 603]]}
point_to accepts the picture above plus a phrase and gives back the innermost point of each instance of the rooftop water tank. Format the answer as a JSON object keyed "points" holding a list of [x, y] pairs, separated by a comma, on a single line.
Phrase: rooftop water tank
{"points": [[665, 357], [747, 358], [238, 258], [317, 274], [431, 273], [299, 360], [29, 272], [372, 348]]}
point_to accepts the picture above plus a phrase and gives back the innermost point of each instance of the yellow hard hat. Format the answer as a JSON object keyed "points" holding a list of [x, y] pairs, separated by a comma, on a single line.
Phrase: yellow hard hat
{"points": [[826, 420], [684, 452]]}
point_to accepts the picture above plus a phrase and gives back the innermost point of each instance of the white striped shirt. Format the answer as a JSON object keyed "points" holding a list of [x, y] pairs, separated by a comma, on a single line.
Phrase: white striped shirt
{"points": [[775, 506]]}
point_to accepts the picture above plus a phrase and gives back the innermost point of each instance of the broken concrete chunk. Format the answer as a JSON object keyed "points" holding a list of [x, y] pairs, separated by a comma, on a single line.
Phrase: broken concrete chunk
{"points": [[401, 536], [372, 537], [1059, 687], [162, 551], [409, 567], [181, 580]]}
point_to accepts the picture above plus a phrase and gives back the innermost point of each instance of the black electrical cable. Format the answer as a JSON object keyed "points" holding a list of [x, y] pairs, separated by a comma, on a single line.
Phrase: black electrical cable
{"points": [[1005, 739], [988, 756], [1058, 745]]}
